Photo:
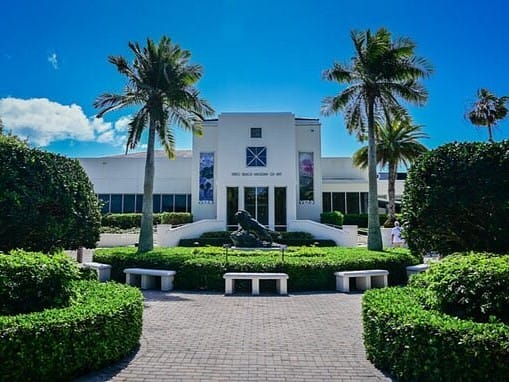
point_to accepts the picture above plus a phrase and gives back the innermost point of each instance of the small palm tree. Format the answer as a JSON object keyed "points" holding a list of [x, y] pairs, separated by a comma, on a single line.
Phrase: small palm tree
{"points": [[382, 72], [161, 82], [396, 142], [488, 110]]}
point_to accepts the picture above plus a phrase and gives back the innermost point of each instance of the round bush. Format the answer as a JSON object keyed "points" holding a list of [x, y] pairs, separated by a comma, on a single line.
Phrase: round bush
{"points": [[31, 282], [102, 325], [417, 344], [456, 199], [473, 286], [46, 200]]}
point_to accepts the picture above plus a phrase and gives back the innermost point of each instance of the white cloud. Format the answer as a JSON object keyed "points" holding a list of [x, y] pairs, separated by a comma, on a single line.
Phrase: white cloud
{"points": [[42, 121], [53, 60]]}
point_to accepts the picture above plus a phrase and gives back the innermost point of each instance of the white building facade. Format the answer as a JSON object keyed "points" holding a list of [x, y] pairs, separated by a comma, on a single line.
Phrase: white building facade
{"points": [[269, 164]]}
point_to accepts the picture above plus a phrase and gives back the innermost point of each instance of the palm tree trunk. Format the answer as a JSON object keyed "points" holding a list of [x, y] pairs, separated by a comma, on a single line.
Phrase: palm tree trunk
{"points": [[490, 134], [392, 190], [374, 233], [146, 240]]}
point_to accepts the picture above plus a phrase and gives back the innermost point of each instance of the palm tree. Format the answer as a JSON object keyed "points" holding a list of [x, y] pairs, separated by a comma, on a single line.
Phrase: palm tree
{"points": [[381, 72], [1, 127], [488, 110], [396, 142], [161, 82]]}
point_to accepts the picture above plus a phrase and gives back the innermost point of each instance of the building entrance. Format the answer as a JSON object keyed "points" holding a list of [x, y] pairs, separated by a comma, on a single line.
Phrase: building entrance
{"points": [[259, 202]]}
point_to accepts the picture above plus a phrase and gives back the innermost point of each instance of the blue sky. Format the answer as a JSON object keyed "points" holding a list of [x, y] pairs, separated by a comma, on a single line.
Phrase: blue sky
{"points": [[260, 55]]}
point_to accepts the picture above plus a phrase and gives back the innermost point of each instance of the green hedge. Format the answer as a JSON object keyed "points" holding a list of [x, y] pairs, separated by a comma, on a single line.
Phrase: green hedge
{"points": [[31, 281], [102, 325], [473, 286], [456, 199], [133, 220], [333, 217], [415, 344], [47, 201], [309, 268], [219, 238], [361, 220]]}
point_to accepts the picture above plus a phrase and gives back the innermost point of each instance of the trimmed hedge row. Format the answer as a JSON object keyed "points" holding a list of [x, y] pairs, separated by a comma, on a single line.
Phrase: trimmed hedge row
{"points": [[361, 220], [416, 344], [309, 268], [333, 217], [133, 220], [219, 238], [474, 286], [102, 325], [32, 281]]}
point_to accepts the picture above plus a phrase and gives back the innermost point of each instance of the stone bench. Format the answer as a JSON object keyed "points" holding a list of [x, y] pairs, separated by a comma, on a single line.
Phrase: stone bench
{"points": [[364, 280], [281, 281], [103, 270], [148, 278], [414, 269]]}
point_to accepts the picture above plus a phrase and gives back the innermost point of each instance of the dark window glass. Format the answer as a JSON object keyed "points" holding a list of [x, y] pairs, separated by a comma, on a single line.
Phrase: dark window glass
{"points": [[180, 203], [167, 203], [352, 202], [338, 202], [279, 207], [256, 132], [156, 198], [139, 202], [364, 202], [116, 204], [256, 157], [262, 205], [189, 203], [105, 199], [128, 203], [326, 202], [232, 205], [250, 200], [401, 176]]}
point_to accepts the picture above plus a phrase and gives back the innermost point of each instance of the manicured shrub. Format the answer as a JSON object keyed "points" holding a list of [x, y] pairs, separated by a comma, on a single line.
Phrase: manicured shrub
{"points": [[361, 220], [456, 199], [470, 286], [126, 221], [102, 325], [176, 218], [46, 200], [417, 344], [333, 217], [32, 282], [309, 268]]}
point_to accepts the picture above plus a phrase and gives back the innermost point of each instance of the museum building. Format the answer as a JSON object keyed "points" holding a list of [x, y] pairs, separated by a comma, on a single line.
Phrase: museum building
{"points": [[269, 164]]}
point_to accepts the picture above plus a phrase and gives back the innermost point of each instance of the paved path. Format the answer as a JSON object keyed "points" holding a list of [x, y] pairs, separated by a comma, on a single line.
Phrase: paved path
{"points": [[209, 337]]}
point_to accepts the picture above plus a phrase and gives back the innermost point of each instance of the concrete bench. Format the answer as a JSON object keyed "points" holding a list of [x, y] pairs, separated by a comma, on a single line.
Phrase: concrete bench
{"points": [[363, 279], [103, 270], [281, 281], [414, 269], [148, 278]]}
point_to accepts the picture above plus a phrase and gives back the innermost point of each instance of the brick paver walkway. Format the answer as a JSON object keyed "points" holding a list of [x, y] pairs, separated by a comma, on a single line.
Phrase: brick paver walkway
{"points": [[209, 337]]}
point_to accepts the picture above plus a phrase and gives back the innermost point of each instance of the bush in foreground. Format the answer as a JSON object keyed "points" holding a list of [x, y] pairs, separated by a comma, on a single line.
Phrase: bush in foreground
{"points": [[415, 344], [456, 199], [47, 201], [31, 282], [101, 325], [473, 286], [309, 268]]}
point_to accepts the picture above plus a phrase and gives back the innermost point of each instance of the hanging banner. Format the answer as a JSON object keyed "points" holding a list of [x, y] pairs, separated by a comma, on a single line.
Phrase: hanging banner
{"points": [[306, 178], [206, 194]]}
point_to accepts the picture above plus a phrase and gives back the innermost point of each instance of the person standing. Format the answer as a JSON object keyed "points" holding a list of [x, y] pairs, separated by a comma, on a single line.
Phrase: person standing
{"points": [[397, 240]]}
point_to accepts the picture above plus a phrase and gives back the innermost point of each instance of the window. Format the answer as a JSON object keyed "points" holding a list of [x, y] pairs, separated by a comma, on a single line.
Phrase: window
{"points": [[256, 157], [116, 204], [128, 203], [256, 132]]}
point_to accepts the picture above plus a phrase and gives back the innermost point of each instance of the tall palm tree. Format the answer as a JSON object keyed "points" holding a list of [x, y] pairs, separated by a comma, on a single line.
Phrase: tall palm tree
{"points": [[396, 142], [488, 110], [161, 82], [382, 72]]}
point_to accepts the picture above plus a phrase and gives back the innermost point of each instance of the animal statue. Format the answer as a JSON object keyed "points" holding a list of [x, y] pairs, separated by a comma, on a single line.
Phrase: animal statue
{"points": [[250, 226]]}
